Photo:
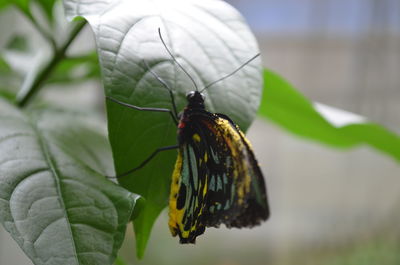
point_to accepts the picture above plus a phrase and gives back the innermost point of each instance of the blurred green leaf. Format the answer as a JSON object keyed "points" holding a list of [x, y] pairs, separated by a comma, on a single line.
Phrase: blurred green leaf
{"points": [[47, 6], [382, 253], [120, 261], [54, 198], [3, 4], [9, 80], [210, 40], [38, 75], [24, 5], [285, 106], [21, 4], [4, 67], [8, 95], [18, 43], [76, 69]]}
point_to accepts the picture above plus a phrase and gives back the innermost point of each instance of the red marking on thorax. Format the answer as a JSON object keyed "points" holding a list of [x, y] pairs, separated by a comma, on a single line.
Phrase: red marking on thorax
{"points": [[181, 125]]}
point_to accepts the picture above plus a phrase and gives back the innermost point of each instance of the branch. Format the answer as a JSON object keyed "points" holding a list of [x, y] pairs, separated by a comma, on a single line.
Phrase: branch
{"points": [[30, 89]]}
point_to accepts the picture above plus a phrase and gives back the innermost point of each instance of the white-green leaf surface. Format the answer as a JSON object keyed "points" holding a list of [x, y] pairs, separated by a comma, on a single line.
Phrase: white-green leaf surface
{"points": [[54, 199]]}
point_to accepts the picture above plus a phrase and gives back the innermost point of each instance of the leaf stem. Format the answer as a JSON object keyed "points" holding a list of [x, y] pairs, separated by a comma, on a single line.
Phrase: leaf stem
{"points": [[31, 88]]}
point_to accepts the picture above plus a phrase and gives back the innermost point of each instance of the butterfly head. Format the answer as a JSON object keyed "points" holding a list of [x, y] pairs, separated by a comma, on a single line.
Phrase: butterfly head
{"points": [[195, 99]]}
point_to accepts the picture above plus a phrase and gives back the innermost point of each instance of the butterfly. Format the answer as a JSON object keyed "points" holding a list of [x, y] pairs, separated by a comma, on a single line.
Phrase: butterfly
{"points": [[217, 179]]}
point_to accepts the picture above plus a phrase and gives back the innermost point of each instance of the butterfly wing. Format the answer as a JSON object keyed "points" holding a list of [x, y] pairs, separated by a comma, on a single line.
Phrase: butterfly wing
{"points": [[188, 193], [216, 178], [253, 201]]}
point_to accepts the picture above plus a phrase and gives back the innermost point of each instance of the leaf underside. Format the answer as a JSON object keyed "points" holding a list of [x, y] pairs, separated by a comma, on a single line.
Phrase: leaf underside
{"points": [[54, 198]]}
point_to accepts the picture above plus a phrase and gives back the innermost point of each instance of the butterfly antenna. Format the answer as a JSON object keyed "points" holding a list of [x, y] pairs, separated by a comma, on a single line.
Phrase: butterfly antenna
{"points": [[229, 75], [171, 94], [176, 61]]}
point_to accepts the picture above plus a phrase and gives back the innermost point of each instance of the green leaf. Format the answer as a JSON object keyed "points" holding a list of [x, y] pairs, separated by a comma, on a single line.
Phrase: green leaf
{"points": [[8, 95], [285, 106], [21, 4], [24, 5], [18, 43], [9, 80], [76, 69], [3, 4], [47, 6], [120, 261], [54, 198], [209, 38], [4, 67]]}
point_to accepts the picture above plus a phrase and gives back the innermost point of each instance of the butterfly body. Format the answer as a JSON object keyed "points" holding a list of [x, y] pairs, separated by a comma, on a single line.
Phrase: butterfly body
{"points": [[216, 179]]}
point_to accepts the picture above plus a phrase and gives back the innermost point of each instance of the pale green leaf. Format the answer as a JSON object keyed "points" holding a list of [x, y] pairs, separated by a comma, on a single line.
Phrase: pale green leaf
{"points": [[285, 106]]}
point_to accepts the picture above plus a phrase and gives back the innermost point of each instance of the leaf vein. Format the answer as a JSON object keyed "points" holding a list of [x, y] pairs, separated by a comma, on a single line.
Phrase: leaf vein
{"points": [[52, 166]]}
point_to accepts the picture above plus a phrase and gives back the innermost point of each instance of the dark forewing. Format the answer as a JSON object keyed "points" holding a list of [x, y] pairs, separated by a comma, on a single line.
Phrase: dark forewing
{"points": [[216, 178]]}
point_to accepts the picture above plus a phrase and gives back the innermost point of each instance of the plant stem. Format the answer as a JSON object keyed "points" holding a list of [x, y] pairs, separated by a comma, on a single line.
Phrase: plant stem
{"points": [[30, 89]]}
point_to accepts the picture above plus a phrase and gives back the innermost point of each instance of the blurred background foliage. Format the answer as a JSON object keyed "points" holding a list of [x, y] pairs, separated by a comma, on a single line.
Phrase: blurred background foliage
{"points": [[329, 206]]}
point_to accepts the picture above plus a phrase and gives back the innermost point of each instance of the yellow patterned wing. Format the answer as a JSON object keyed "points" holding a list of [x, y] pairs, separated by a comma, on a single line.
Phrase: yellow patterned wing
{"points": [[216, 179]]}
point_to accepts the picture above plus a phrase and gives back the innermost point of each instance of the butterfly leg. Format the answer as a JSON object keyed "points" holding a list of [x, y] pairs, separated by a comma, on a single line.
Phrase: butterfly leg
{"points": [[174, 118], [165, 148]]}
